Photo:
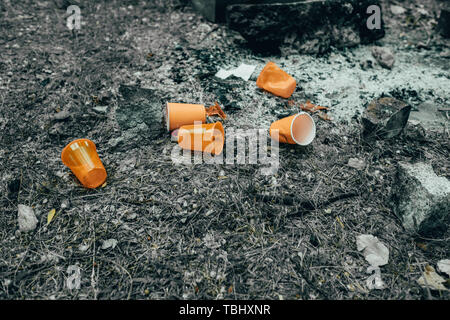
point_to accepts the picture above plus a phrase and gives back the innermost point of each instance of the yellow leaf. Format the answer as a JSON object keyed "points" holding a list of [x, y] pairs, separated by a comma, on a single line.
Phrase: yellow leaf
{"points": [[340, 222], [50, 216], [104, 185]]}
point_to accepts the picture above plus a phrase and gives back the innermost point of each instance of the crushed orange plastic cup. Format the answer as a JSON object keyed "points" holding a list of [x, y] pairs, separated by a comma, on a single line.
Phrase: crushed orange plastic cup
{"points": [[208, 138], [81, 157], [276, 81], [297, 129]]}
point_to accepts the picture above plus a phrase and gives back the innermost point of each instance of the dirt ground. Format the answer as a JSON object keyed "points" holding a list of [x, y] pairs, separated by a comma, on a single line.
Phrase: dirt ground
{"points": [[207, 231]]}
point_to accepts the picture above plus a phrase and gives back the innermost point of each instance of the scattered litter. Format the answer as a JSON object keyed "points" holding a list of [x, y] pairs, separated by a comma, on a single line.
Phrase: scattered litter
{"points": [[244, 71], [50, 216], [297, 129], [208, 138], [430, 279], [216, 110], [180, 114], [310, 107], [276, 81], [110, 243], [375, 281], [444, 266], [375, 252], [384, 57], [26, 218], [81, 157], [356, 163]]}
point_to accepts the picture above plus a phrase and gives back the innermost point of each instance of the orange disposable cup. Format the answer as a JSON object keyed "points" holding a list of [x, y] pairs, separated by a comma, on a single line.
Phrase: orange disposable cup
{"points": [[297, 129], [81, 157], [276, 81], [180, 114], [208, 138]]}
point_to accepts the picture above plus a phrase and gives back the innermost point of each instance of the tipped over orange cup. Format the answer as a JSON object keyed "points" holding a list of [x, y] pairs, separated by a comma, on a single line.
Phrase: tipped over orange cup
{"points": [[81, 157], [276, 81], [297, 129], [180, 114], [208, 138]]}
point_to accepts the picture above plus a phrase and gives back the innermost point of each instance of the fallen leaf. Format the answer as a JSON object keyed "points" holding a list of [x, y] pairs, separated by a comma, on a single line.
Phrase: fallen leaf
{"points": [[50, 216], [430, 279]]}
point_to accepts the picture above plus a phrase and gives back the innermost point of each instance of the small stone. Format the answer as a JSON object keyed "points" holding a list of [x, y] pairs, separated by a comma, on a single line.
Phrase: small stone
{"points": [[397, 10], [110, 243], [62, 115], [422, 199], [356, 163], [384, 56], [26, 218]]}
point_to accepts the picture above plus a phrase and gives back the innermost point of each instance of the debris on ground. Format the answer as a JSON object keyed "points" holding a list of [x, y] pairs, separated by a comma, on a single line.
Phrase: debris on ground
{"points": [[216, 110], [444, 266], [355, 163], [26, 218], [310, 107], [431, 280], [384, 56], [422, 199], [375, 252], [110, 243], [275, 80], [385, 117], [244, 71]]}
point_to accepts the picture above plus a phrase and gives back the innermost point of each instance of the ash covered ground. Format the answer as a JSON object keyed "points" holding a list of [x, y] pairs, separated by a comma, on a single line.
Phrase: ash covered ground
{"points": [[207, 231]]}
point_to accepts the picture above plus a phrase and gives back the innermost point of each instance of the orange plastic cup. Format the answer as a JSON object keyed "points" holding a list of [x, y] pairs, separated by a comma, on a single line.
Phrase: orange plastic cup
{"points": [[297, 129], [180, 114], [81, 157], [276, 81], [208, 138]]}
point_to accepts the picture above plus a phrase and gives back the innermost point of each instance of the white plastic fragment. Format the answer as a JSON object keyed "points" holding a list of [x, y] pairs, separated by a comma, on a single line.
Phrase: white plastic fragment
{"points": [[110, 243], [375, 252], [26, 218], [244, 71], [374, 281], [444, 266]]}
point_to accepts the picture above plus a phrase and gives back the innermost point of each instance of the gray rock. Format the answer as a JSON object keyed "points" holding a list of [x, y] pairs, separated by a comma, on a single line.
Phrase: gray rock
{"points": [[385, 118], [384, 56], [444, 22], [26, 218], [139, 115], [422, 199], [310, 26]]}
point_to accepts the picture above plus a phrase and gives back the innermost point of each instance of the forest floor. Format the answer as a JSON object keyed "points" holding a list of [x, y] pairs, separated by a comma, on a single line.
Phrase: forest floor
{"points": [[207, 231]]}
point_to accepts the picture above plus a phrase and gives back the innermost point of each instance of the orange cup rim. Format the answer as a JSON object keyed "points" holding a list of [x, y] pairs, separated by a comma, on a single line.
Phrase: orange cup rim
{"points": [[66, 148], [313, 129]]}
